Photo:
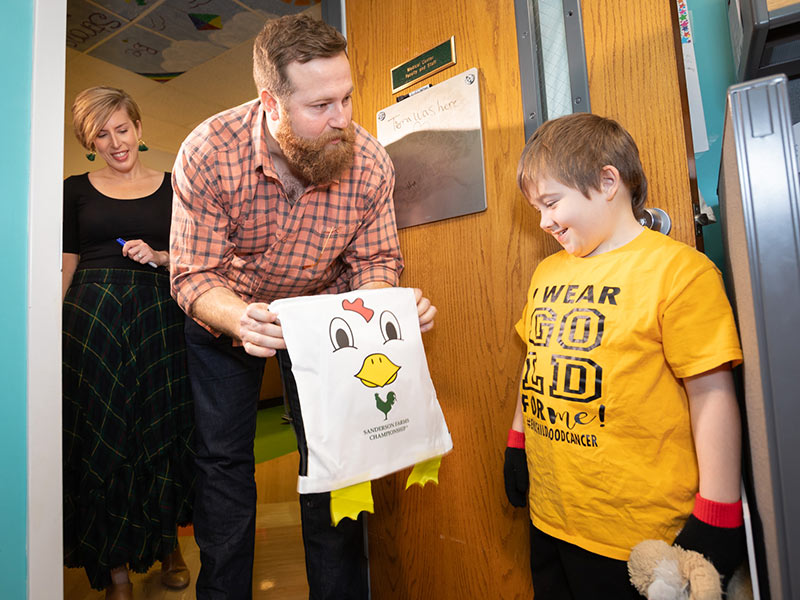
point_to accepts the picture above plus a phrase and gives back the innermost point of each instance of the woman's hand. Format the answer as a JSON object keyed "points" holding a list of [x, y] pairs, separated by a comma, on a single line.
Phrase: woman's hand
{"points": [[141, 252]]}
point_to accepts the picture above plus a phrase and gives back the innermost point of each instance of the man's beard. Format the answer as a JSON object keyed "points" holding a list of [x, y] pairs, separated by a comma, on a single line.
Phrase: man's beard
{"points": [[315, 159]]}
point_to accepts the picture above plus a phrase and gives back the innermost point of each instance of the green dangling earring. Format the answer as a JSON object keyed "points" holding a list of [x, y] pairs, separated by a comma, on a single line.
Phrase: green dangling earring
{"points": [[91, 156], [142, 146]]}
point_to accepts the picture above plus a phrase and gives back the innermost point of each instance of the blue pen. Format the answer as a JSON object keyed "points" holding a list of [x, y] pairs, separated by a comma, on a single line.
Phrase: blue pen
{"points": [[121, 242]]}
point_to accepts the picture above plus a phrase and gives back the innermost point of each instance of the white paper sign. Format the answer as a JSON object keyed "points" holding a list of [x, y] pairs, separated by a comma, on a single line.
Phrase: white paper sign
{"points": [[368, 404], [697, 116]]}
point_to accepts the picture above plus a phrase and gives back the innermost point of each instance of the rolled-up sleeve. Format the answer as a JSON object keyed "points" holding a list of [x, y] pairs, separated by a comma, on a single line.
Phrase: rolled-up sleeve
{"points": [[200, 249]]}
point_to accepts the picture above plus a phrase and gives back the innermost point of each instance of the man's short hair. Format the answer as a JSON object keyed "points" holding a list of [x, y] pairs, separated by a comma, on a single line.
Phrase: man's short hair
{"points": [[291, 38], [574, 149]]}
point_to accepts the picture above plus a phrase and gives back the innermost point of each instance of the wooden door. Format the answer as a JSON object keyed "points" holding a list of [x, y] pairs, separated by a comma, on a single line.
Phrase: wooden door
{"points": [[461, 539], [634, 60]]}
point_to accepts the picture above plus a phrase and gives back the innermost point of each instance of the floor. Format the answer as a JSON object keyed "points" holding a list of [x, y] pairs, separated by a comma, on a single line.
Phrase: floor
{"points": [[278, 568]]}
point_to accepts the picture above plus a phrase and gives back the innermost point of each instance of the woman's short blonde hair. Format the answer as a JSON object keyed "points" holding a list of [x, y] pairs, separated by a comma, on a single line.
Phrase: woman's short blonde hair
{"points": [[94, 106]]}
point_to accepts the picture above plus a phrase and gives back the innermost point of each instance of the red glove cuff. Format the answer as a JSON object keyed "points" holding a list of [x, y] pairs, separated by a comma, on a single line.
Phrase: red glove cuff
{"points": [[516, 439], [718, 514]]}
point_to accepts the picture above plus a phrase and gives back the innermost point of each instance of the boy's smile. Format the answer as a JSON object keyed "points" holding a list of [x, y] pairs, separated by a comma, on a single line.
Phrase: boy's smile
{"points": [[584, 226], [578, 223]]}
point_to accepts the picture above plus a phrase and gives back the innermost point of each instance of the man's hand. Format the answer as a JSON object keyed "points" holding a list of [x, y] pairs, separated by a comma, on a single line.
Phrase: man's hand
{"points": [[425, 310], [260, 330]]}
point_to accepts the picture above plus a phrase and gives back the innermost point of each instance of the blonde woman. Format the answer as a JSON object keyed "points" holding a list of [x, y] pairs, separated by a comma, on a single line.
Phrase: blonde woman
{"points": [[128, 415]]}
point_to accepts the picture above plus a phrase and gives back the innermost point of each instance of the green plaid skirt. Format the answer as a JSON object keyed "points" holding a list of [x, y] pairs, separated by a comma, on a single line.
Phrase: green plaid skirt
{"points": [[128, 422]]}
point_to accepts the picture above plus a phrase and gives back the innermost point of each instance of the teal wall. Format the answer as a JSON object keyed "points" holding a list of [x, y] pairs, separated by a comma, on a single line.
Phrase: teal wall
{"points": [[712, 41], [16, 45]]}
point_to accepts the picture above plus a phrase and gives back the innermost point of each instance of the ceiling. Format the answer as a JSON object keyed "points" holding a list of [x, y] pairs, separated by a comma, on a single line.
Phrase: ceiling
{"points": [[221, 76], [162, 39]]}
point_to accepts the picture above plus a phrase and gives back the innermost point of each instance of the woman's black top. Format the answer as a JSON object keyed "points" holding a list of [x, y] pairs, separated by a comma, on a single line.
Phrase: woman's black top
{"points": [[93, 222]]}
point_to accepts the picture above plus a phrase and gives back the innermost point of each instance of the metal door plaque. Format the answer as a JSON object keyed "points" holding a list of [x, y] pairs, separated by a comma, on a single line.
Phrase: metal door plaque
{"points": [[435, 140], [422, 66]]}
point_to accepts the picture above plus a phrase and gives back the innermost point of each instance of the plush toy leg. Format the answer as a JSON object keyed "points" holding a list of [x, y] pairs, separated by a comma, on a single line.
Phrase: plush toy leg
{"points": [[667, 582], [643, 560], [350, 501], [663, 572], [704, 580], [740, 587]]}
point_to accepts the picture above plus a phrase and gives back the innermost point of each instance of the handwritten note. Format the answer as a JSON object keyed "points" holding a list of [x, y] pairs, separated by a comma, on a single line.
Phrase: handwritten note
{"points": [[435, 141]]}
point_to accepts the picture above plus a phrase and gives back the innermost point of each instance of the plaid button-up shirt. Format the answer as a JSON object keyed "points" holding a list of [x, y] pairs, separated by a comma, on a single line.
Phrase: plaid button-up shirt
{"points": [[233, 226]]}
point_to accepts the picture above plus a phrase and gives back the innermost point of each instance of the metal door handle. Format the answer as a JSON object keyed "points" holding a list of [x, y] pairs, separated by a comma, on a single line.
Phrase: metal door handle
{"points": [[656, 219], [702, 219]]}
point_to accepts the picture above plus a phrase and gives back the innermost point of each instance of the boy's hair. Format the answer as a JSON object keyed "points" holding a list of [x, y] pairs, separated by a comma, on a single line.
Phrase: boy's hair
{"points": [[94, 106], [574, 149], [290, 38]]}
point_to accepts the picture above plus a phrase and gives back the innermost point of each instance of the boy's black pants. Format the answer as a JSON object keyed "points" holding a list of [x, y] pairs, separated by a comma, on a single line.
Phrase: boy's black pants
{"points": [[563, 571]]}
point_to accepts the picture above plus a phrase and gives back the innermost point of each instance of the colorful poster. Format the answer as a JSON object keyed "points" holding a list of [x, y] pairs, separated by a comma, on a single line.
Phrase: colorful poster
{"points": [[161, 39]]}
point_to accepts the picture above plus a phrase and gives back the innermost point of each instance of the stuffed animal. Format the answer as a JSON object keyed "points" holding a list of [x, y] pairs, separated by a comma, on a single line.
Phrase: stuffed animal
{"points": [[663, 572]]}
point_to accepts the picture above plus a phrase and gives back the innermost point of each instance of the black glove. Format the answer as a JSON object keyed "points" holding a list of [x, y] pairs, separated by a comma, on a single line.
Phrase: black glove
{"points": [[723, 546], [515, 473]]}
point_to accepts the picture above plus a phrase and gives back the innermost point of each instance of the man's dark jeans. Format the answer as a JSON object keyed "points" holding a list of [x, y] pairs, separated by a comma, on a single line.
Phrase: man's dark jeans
{"points": [[225, 383]]}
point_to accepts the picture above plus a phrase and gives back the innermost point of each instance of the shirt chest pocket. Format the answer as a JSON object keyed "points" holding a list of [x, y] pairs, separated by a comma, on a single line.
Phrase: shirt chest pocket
{"points": [[308, 258], [316, 247]]}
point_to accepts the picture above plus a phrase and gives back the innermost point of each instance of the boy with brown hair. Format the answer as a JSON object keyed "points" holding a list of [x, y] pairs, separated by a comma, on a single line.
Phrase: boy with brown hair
{"points": [[626, 426]]}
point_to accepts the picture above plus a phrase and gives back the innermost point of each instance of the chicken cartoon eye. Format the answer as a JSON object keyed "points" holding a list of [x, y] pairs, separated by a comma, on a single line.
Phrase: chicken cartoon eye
{"points": [[390, 326], [341, 334]]}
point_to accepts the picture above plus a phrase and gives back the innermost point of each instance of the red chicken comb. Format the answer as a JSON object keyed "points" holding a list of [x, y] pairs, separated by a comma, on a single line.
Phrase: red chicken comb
{"points": [[358, 306]]}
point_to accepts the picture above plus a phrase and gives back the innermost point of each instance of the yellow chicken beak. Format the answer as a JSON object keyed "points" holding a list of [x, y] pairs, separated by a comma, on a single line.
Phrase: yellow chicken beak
{"points": [[377, 371]]}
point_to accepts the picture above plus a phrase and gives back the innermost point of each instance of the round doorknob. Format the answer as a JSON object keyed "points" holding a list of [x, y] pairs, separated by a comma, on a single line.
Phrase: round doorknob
{"points": [[656, 219]]}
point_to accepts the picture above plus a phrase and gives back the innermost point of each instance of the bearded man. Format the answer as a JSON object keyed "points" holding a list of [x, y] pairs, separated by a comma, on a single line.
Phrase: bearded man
{"points": [[282, 196]]}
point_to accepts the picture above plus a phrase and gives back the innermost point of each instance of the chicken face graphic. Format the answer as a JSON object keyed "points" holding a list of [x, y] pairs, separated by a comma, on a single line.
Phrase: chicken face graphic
{"points": [[377, 369], [366, 399]]}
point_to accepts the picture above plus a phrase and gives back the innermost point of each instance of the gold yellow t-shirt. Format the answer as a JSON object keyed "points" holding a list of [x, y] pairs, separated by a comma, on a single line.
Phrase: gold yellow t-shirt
{"points": [[607, 429]]}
